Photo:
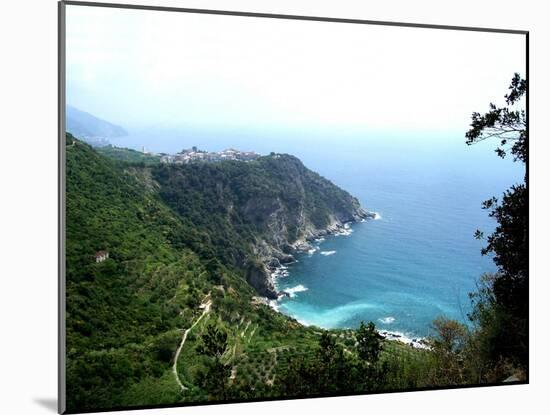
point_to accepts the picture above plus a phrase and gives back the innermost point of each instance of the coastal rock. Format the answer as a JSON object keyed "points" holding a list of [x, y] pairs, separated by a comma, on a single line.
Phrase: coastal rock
{"points": [[274, 263], [302, 246], [258, 277], [286, 259]]}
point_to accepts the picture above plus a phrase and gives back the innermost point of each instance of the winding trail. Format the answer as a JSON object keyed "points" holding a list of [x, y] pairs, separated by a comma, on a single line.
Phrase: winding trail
{"points": [[206, 307], [246, 328]]}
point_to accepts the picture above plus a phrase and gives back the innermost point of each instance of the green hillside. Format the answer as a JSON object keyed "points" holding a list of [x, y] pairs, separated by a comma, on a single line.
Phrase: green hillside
{"points": [[125, 316], [173, 315]]}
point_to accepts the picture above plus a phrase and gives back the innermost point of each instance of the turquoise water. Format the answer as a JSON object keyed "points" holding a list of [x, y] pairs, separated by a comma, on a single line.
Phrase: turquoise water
{"points": [[419, 260]]}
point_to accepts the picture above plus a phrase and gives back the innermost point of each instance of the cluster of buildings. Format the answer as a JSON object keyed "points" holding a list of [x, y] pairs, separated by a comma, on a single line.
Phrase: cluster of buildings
{"points": [[193, 154]]}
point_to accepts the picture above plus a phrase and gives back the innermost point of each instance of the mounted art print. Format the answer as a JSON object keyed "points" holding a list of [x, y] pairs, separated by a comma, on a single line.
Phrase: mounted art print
{"points": [[259, 207]]}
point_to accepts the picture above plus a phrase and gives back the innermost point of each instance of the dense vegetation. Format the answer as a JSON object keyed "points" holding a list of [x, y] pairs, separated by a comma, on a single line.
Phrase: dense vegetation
{"points": [[181, 243], [501, 306], [247, 193]]}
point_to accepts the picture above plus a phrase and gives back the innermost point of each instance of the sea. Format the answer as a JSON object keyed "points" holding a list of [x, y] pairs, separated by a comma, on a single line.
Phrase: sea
{"points": [[418, 259]]}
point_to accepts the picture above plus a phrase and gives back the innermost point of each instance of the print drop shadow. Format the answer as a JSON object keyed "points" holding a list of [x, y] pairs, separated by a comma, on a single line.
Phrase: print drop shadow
{"points": [[48, 403]]}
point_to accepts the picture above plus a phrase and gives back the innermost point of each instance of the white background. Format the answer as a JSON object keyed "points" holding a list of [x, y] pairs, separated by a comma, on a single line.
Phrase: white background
{"points": [[28, 208]]}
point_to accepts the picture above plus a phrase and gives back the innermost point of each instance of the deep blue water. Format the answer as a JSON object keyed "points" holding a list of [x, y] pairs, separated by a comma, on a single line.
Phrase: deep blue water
{"points": [[419, 260]]}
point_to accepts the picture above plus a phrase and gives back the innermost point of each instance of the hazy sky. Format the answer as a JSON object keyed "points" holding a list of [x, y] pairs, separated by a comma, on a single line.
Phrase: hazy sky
{"points": [[151, 68]]}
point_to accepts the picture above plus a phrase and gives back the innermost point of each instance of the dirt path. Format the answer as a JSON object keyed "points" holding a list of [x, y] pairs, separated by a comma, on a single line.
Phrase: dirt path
{"points": [[246, 328], [206, 307], [252, 333]]}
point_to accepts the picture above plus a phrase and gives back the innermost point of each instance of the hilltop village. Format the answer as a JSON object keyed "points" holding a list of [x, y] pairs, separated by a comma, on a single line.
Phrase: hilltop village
{"points": [[194, 154]]}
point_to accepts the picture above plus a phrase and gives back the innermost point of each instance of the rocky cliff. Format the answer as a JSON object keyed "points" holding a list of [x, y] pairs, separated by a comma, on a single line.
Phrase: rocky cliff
{"points": [[257, 214]]}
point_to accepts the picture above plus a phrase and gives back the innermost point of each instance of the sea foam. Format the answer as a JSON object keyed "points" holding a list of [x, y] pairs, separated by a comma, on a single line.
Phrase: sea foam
{"points": [[327, 253], [416, 342], [313, 250], [387, 320], [297, 289], [344, 232], [326, 318], [274, 305]]}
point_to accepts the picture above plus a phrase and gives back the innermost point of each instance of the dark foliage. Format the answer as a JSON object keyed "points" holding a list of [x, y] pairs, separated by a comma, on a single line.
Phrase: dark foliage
{"points": [[215, 377], [501, 307], [369, 342], [506, 124], [213, 342], [334, 370]]}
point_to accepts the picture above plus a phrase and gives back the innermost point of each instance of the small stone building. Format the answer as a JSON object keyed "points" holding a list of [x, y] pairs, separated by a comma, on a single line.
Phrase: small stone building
{"points": [[101, 256]]}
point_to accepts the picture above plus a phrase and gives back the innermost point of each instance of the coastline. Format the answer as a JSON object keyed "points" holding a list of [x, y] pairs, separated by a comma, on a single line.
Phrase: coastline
{"points": [[276, 266], [310, 246], [416, 342]]}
